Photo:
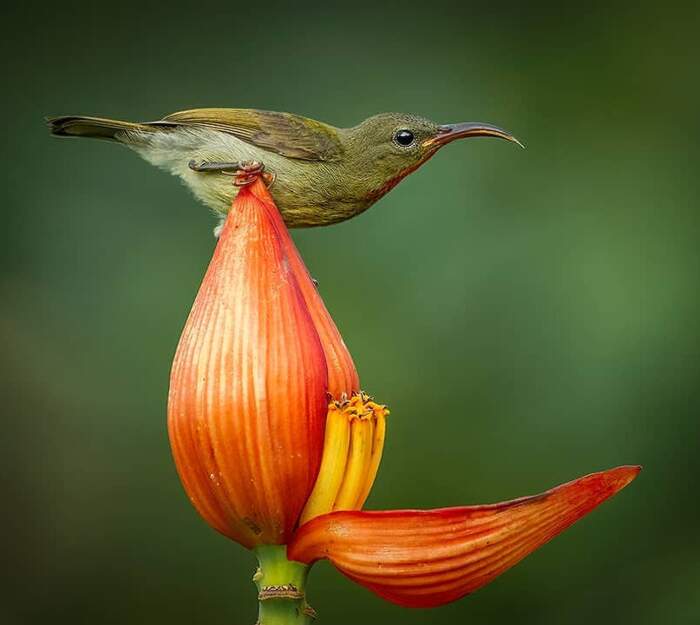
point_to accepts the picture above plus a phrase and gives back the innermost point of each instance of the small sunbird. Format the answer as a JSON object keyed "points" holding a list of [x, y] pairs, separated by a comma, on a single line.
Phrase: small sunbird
{"points": [[318, 174]]}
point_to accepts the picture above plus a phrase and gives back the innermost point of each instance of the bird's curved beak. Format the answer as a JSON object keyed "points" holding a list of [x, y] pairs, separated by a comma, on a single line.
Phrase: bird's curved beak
{"points": [[450, 132]]}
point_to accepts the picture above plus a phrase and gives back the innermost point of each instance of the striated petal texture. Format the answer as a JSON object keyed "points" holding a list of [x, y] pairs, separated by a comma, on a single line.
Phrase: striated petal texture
{"points": [[424, 558], [247, 403], [342, 375]]}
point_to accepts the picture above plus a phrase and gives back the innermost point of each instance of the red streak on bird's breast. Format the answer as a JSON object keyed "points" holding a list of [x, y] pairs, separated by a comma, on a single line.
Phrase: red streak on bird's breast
{"points": [[375, 194]]}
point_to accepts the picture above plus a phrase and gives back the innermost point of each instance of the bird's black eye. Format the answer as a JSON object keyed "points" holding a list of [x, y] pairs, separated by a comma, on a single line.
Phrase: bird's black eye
{"points": [[404, 138]]}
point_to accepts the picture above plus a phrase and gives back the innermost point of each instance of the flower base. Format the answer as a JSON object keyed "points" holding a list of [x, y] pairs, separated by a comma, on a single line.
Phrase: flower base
{"points": [[281, 588]]}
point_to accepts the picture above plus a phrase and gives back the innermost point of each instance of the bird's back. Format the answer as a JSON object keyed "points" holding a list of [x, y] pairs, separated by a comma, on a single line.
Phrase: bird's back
{"points": [[304, 156]]}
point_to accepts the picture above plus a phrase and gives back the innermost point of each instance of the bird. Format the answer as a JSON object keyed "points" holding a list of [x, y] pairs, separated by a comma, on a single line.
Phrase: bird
{"points": [[317, 174]]}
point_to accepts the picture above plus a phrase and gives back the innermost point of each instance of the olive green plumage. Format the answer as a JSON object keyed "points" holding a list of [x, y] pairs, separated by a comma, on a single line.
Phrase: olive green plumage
{"points": [[322, 174]]}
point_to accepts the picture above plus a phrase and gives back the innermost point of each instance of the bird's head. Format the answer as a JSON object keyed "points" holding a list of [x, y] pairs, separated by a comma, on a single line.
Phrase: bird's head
{"points": [[387, 147]]}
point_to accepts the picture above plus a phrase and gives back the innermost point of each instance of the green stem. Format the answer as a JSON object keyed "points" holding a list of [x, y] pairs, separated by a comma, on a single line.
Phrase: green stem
{"points": [[281, 588]]}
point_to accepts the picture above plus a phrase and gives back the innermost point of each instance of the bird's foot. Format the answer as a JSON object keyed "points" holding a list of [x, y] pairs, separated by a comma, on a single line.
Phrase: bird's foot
{"points": [[243, 172], [248, 172]]}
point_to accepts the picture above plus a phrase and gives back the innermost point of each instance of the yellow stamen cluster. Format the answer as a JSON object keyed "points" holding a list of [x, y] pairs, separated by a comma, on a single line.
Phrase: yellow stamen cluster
{"points": [[352, 450]]}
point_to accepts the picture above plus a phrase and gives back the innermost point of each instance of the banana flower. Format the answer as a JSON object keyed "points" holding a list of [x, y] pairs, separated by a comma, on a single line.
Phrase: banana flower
{"points": [[278, 448]]}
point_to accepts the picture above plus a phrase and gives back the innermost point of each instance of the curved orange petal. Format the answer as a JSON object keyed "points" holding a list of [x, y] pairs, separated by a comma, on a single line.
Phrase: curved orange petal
{"points": [[247, 403], [424, 558], [342, 375]]}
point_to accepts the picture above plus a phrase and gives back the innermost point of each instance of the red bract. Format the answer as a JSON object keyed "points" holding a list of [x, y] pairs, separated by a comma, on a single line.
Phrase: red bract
{"points": [[247, 403], [342, 375], [424, 558]]}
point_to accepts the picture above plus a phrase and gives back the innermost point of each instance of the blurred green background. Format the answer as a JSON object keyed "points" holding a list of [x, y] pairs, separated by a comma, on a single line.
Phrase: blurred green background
{"points": [[530, 316]]}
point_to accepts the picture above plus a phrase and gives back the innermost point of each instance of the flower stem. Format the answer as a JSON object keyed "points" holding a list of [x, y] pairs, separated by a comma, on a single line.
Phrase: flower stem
{"points": [[281, 588]]}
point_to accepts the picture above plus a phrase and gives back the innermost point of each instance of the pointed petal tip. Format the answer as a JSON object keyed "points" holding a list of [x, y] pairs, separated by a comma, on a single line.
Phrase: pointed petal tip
{"points": [[625, 474], [607, 482]]}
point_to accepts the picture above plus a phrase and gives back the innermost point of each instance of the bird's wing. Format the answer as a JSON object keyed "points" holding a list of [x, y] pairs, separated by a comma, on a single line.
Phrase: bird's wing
{"points": [[289, 135]]}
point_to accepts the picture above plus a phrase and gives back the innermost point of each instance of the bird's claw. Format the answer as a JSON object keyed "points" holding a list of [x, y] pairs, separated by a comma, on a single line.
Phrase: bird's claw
{"points": [[248, 172]]}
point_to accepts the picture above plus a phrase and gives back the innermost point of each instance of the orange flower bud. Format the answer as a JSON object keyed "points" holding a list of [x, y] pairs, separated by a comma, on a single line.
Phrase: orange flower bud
{"points": [[247, 403]]}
